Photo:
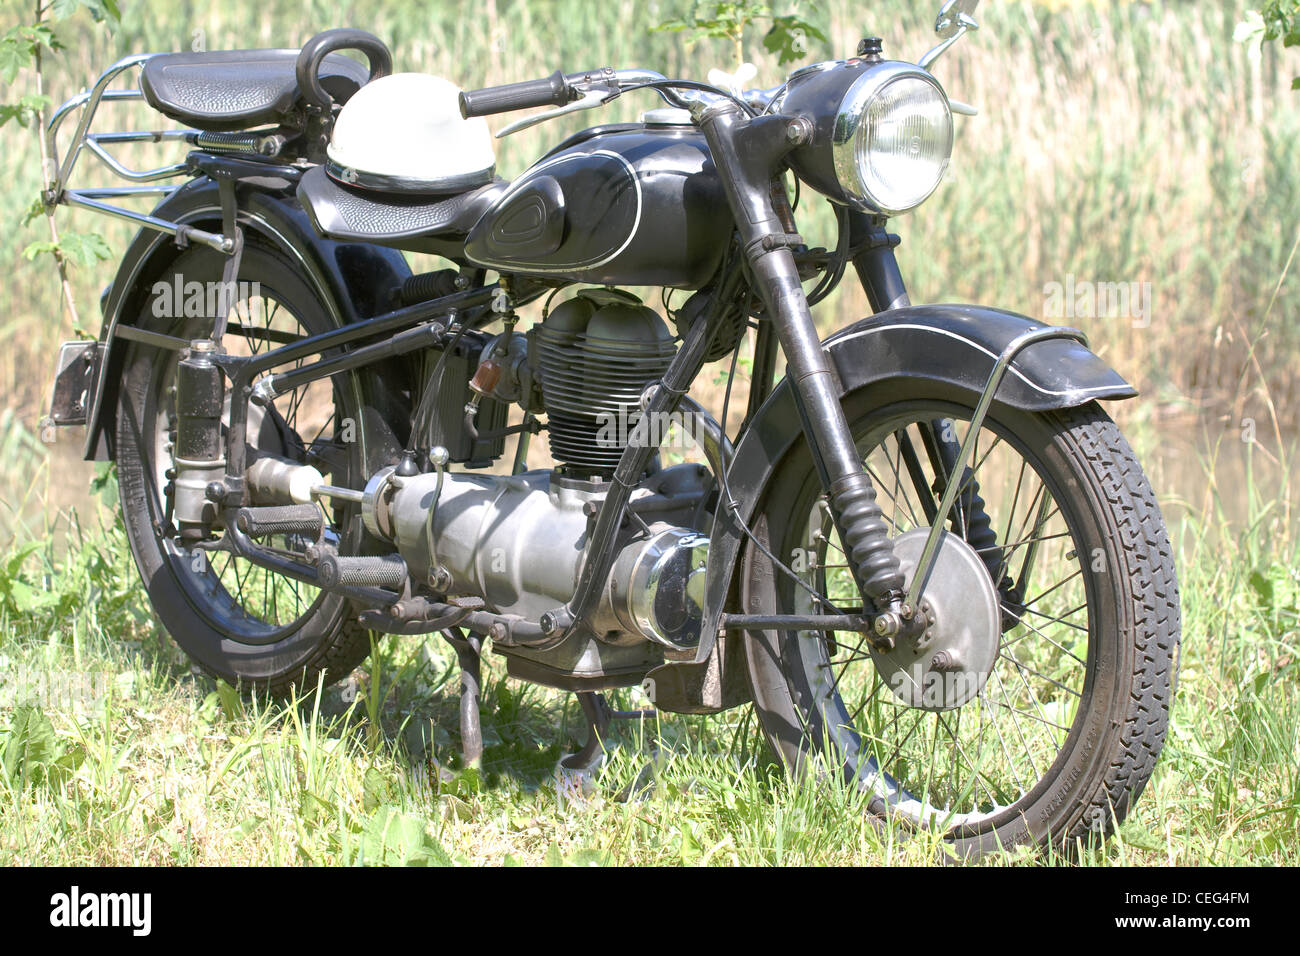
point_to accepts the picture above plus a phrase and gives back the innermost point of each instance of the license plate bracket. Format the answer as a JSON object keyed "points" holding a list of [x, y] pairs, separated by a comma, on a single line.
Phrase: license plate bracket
{"points": [[74, 381]]}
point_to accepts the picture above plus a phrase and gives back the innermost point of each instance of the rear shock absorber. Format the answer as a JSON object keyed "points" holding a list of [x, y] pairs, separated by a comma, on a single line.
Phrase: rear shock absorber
{"points": [[198, 455]]}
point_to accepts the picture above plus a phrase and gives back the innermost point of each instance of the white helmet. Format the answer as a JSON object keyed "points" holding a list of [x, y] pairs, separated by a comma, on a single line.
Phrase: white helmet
{"points": [[404, 133]]}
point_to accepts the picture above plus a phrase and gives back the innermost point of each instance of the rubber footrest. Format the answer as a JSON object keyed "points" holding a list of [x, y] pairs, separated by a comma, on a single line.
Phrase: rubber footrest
{"points": [[379, 571], [305, 520]]}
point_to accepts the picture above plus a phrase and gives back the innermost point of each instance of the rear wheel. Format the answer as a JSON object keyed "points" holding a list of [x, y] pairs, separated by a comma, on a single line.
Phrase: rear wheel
{"points": [[236, 620], [1034, 707]]}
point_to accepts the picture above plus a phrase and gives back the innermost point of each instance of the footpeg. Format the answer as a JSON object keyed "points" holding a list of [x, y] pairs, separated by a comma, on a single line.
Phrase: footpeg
{"points": [[304, 520], [380, 571]]}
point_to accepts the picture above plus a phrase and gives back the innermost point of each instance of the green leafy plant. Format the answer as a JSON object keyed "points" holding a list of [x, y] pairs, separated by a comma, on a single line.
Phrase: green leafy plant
{"points": [[394, 838], [787, 34], [19, 595], [79, 249], [33, 753], [19, 46], [43, 587], [24, 46], [1279, 20]]}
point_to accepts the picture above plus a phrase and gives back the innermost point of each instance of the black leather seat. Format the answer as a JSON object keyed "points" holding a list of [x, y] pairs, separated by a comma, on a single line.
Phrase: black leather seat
{"points": [[237, 89], [394, 219]]}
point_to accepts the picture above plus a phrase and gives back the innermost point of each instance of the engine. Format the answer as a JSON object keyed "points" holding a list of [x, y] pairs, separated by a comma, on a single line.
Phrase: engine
{"points": [[519, 542]]}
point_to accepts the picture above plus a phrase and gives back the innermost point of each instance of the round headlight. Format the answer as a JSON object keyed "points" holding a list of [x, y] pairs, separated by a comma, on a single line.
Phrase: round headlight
{"points": [[892, 138]]}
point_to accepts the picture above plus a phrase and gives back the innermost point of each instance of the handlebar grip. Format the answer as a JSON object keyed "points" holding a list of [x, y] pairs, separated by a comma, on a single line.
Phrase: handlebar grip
{"points": [[314, 51], [554, 90]]}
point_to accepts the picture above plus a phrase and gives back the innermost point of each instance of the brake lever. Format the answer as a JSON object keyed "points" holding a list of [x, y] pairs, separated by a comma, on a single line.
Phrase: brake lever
{"points": [[589, 100], [965, 109]]}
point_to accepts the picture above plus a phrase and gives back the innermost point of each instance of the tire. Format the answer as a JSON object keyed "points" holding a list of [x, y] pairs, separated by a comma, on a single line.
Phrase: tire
{"points": [[1088, 755], [225, 630]]}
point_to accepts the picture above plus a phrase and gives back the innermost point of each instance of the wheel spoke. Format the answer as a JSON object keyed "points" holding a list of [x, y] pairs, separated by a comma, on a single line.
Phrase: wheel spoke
{"points": [[1062, 648], [929, 507], [1041, 676], [1056, 620], [1058, 584], [1015, 723], [1016, 544], [1025, 713]]}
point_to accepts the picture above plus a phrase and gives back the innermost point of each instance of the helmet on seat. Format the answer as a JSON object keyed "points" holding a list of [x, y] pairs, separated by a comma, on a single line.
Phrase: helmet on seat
{"points": [[404, 133]]}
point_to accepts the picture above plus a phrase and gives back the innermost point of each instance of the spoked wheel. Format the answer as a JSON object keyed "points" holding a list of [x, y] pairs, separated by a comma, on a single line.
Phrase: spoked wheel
{"points": [[237, 620], [1034, 705]]}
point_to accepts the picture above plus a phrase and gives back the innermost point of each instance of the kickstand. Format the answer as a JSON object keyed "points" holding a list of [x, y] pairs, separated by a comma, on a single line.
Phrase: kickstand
{"points": [[597, 711], [599, 715], [469, 651]]}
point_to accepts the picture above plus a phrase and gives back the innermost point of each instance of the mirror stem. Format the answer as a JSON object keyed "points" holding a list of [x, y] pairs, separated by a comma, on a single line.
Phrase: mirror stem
{"points": [[938, 51]]}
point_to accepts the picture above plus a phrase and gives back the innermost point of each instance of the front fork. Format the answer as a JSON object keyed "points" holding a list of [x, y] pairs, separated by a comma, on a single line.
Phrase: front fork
{"points": [[878, 272], [746, 152]]}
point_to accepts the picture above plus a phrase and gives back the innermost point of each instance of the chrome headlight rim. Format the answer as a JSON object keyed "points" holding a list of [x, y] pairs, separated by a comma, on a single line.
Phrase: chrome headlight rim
{"points": [[850, 128]]}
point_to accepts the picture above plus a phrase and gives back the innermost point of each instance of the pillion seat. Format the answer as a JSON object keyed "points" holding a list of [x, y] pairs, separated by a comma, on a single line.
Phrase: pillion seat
{"points": [[226, 90]]}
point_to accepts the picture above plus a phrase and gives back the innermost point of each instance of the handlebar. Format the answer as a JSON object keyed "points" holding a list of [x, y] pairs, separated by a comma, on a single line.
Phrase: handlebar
{"points": [[588, 89], [553, 90]]}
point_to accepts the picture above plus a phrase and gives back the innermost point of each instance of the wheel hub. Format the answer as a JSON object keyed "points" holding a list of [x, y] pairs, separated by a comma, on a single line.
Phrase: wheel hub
{"points": [[947, 664]]}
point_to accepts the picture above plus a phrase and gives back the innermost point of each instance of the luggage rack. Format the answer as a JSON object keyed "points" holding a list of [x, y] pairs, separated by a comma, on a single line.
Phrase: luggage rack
{"points": [[145, 182]]}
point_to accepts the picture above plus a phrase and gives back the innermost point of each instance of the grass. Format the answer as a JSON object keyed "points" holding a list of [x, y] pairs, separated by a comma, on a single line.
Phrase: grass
{"points": [[115, 753], [1118, 142]]}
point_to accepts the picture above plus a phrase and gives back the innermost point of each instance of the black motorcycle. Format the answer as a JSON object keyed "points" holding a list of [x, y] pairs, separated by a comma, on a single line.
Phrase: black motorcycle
{"points": [[926, 554]]}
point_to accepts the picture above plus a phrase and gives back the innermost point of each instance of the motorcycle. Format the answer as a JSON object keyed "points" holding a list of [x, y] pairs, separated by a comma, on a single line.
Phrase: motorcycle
{"points": [[926, 555]]}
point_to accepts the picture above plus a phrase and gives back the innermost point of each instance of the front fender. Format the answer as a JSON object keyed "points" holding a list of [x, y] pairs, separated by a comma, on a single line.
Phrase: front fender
{"points": [[352, 277], [956, 345]]}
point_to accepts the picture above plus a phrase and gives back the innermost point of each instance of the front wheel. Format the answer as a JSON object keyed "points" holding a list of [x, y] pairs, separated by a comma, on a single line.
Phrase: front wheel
{"points": [[1033, 707]]}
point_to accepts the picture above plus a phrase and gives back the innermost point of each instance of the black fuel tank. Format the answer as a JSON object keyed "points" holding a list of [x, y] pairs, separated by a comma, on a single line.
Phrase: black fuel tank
{"points": [[627, 205]]}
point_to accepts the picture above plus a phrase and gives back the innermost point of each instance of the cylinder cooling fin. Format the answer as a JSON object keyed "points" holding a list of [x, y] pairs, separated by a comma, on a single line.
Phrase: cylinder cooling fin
{"points": [[596, 354]]}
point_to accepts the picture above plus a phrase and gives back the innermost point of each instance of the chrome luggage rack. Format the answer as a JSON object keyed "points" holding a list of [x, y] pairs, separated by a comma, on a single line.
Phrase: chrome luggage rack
{"points": [[59, 175]]}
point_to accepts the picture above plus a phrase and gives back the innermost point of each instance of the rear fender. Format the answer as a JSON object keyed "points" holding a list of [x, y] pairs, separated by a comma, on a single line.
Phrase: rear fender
{"points": [[354, 279]]}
